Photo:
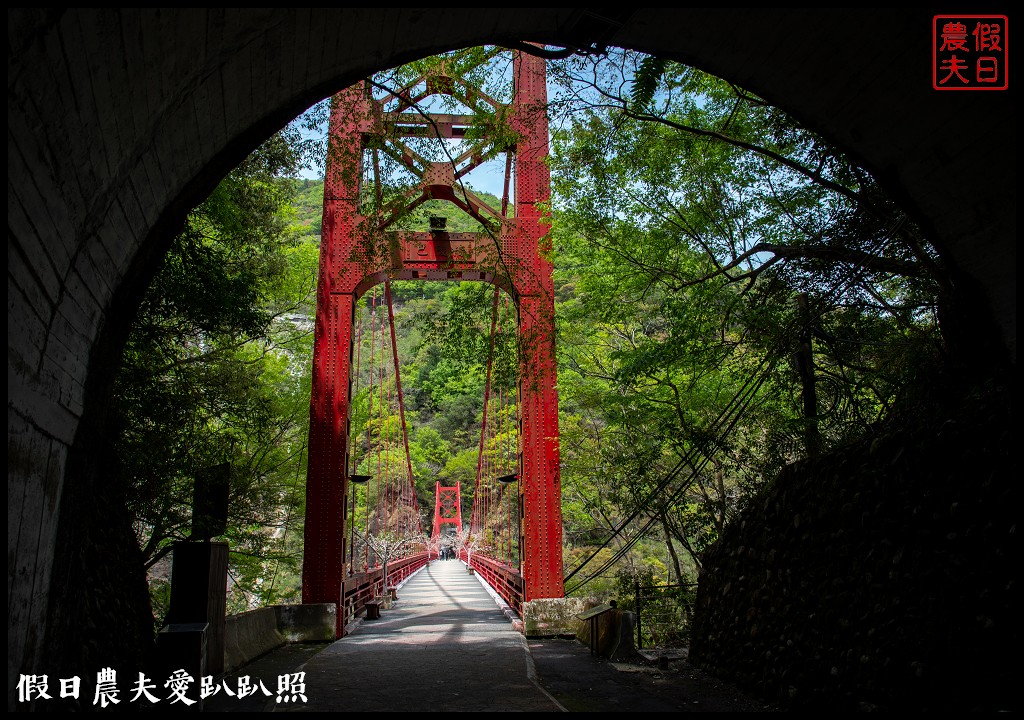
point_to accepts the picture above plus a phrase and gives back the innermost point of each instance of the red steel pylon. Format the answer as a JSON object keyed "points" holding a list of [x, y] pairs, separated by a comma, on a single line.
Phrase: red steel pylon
{"points": [[447, 509], [360, 250]]}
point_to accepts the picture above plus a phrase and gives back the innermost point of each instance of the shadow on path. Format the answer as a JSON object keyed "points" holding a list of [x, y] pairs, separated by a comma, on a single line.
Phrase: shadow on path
{"points": [[445, 645]]}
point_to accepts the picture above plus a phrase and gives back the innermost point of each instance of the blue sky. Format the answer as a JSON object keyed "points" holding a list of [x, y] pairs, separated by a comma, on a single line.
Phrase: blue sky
{"points": [[489, 177]]}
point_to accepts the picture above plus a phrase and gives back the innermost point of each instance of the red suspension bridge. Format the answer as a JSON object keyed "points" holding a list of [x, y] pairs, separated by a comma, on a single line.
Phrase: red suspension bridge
{"points": [[514, 537]]}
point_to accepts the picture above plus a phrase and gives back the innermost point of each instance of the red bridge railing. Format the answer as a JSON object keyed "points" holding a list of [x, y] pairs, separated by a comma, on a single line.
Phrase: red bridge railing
{"points": [[361, 588], [506, 579]]}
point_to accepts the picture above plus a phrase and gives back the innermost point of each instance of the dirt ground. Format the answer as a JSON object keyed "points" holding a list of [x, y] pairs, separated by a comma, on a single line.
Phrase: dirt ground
{"points": [[581, 682]]}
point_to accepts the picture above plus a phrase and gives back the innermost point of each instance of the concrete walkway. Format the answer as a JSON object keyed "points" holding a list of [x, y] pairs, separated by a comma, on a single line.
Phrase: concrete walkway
{"points": [[444, 646]]}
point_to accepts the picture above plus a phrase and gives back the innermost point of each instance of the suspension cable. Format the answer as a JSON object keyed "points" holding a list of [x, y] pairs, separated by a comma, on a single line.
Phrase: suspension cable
{"points": [[354, 468], [389, 507], [735, 406], [370, 404], [398, 386], [382, 467], [478, 506], [745, 396]]}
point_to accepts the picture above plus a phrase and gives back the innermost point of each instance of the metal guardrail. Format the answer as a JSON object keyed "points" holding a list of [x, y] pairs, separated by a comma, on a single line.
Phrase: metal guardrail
{"points": [[664, 614], [399, 570], [504, 578], [362, 588]]}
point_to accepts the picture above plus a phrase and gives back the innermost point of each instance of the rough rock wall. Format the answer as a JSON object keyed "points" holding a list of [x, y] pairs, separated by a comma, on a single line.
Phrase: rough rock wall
{"points": [[882, 577]]}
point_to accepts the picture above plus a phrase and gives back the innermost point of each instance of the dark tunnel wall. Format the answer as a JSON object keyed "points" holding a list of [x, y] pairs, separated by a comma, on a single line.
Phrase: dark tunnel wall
{"points": [[879, 578]]}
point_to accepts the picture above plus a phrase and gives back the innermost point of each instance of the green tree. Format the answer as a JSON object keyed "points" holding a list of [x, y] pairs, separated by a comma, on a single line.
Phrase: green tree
{"points": [[689, 215], [214, 372]]}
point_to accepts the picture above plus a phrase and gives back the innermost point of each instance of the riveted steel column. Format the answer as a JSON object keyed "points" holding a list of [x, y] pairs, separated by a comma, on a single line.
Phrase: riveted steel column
{"points": [[540, 484], [327, 478]]}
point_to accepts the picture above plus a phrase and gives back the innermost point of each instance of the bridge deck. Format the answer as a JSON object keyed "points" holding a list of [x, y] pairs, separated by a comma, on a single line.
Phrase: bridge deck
{"points": [[445, 645]]}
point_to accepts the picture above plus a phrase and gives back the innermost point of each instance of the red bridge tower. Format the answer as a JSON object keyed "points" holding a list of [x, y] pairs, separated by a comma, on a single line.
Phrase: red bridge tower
{"points": [[358, 251]]}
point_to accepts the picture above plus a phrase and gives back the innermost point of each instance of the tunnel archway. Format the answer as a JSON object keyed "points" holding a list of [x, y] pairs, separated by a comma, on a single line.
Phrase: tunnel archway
{"points": [[120, 120]]}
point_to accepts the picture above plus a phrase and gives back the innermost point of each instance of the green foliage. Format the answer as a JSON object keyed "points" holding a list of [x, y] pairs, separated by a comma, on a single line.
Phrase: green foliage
{"points": [[647, 79], [212, 373], [688, 215], [458, 324], [457, 219], [600, 587], [645, 574]]}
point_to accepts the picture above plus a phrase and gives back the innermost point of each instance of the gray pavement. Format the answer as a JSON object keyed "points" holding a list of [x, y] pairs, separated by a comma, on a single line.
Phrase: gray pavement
{"points": [[447, 645], [444, 646]]}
